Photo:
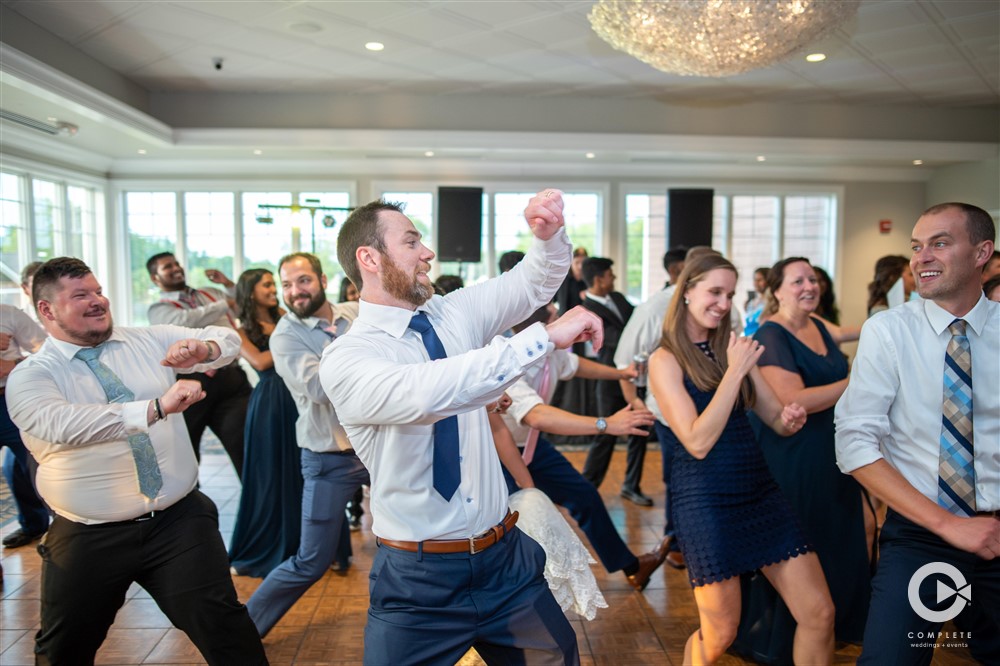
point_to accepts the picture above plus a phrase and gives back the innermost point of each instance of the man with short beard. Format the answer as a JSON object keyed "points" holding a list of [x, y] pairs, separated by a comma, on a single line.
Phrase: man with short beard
{"points": [[97, 407], [224, 410], [919, 427], [410, 380], [331, 471]]}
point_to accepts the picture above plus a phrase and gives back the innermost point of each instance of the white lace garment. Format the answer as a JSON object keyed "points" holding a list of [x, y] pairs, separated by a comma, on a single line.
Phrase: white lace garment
{"points": [[567, 560]]}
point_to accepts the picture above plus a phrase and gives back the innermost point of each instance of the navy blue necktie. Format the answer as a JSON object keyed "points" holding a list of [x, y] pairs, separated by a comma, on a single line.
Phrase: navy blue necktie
{"points": [[447, 474]]}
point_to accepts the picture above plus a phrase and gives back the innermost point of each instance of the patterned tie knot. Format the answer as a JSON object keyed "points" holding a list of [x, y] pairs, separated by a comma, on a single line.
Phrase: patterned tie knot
{"points": [[957, 327], [420, 323], [89, 354]]}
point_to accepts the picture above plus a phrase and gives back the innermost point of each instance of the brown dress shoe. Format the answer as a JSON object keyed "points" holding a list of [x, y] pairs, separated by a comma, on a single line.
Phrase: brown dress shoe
{"points": [[648, 563], [675, 558]]}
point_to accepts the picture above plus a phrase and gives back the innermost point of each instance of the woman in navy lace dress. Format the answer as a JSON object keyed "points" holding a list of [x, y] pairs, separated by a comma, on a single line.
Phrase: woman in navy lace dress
{"points": [[729, 514], [269, 519]]}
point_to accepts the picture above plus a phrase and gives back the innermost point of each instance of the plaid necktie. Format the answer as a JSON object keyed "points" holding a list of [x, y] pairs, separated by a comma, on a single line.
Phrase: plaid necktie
{"points": [[956, 474], [143, 454], [447, 473]]}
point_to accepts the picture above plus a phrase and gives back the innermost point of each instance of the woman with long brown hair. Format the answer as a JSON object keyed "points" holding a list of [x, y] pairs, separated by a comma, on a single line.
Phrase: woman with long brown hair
{"points": [[888, 270], [729, 514], [268, 522]]}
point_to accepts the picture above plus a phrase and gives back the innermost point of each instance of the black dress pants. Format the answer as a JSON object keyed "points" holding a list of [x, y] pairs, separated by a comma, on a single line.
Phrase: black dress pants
{"points": [[224, 411], [177, 556]]}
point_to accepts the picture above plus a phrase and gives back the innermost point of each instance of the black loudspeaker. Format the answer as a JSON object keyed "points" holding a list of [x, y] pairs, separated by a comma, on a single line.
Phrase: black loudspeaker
{"points": [[689, 215], [460, 224]]}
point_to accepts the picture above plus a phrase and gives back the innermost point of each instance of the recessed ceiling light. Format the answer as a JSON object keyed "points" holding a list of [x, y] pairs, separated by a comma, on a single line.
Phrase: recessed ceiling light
{"points": [[429, 153], [306, 28], [590, 156], [917, 162], [761, 158], [142, 151], [816, 57], [258, 152], [52, 119], [374, 46]]}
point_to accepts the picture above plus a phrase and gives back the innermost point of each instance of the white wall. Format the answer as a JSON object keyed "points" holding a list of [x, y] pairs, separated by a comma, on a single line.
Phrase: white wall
{"points": [[977, 183]]}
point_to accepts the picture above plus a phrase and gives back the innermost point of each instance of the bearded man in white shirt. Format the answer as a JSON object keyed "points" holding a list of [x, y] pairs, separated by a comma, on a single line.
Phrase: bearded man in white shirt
{"points": [[98, 409], [409, 382], [919, 426]]}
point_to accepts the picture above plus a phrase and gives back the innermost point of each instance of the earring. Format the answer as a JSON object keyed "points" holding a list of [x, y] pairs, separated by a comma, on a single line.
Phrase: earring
{"points": [[687, 301]]}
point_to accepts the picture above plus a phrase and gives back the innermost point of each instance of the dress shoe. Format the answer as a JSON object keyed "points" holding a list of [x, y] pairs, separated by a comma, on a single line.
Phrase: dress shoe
{"points": [[636, 497], [19, 538], [675, 558], [648, 563]]}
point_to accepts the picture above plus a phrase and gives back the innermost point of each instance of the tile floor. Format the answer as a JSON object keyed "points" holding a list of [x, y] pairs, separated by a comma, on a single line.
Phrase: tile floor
{"points": [[326, 626]]}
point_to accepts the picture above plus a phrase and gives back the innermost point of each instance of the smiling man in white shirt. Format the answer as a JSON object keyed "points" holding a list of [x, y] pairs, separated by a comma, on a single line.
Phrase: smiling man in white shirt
{"points": [[98, 407], [409, 381], [919, 426]]}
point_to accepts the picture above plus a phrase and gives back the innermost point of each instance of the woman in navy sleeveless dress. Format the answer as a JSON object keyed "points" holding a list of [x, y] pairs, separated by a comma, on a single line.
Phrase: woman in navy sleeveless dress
{"points": [[729, 514], [802, 362], [268, 521]]}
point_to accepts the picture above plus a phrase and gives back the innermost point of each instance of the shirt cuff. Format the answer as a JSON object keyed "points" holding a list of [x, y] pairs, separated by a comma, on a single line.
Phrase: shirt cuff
{"points": [[134, 416], [530, 344]]}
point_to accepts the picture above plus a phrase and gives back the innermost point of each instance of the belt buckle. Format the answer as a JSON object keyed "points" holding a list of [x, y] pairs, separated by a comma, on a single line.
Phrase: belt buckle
{"points": [[472, 545]]}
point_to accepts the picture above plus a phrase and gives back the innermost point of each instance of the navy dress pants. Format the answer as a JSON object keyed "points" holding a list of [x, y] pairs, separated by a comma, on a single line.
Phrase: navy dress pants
{"points": [[667, 459], [429, 609], [558, 479], [895, 633], [32, 514]]}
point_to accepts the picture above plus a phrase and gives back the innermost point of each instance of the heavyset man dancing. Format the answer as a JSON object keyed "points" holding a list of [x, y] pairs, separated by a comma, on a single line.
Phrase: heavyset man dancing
{"points": [[409, 380]]}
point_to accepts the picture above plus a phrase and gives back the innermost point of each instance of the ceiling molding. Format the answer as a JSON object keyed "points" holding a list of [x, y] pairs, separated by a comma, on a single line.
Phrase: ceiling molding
{"points": [[22, 71]]}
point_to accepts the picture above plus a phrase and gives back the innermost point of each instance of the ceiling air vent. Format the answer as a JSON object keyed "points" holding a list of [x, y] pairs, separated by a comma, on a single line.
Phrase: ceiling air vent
{"points": [[53, 129]]}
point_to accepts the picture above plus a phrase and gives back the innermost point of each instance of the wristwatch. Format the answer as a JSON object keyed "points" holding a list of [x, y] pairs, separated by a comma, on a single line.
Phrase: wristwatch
{"points": [[601, 425]]}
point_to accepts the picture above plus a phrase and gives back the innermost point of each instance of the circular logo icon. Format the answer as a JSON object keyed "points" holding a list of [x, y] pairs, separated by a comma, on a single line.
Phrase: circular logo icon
{"points": [[960, 589]]}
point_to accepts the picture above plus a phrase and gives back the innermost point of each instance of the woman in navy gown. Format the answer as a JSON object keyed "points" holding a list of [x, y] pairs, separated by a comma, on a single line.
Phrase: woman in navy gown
{"points": [[730, 516], [802, 363], [268, 522]]}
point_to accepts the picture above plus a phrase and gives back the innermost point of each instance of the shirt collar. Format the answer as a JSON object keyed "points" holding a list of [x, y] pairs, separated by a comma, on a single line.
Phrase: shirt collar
{"points": [[940, 319], [68, 350], [389, 318], [603, 300]]}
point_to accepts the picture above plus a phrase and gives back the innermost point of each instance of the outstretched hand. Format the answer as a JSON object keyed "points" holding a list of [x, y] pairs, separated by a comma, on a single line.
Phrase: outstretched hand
{"points": [[577, 325], [545, 213]]}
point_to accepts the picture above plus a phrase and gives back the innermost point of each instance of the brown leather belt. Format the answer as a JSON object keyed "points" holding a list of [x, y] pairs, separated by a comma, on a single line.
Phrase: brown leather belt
{"points": [[472, 545]]}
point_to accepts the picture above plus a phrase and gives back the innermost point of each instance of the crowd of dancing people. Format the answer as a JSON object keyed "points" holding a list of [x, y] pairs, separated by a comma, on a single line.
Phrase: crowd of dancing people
{"points": [[803, 491]]}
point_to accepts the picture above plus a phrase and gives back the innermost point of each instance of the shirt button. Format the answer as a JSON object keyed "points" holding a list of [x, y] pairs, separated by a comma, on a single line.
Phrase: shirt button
{"points": [[460, 459], [540, 346], [500, 378], [530, 353], [468, 500]]}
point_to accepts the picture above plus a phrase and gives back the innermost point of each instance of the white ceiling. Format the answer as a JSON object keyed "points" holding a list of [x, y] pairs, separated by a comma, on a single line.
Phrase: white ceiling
{"points": [[926, 52], [911, 63]]}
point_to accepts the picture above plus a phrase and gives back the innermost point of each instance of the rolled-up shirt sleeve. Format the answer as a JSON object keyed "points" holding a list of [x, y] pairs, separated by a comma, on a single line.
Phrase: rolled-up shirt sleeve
{"points": [[862, 413]]}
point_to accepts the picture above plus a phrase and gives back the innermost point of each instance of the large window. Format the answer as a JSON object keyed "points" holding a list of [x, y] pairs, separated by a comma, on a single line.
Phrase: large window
{"points": [[210, 232], [152, 227], [267, 232], [752, 230], [42, 218]]}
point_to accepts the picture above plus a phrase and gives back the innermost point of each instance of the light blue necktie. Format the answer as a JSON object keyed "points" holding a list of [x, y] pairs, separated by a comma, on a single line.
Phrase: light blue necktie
{"points": [[146, 466], [956, 473], [447, 473]]}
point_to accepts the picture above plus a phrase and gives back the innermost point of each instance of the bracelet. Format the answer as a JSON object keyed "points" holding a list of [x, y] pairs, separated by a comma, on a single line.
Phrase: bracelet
{"points": [[159, 410]]}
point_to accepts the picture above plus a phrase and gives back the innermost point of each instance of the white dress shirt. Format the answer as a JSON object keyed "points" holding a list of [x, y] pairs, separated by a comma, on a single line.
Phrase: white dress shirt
{"points": [[389, 393], [212, 310], [296, 346], [525, 394], [892, 405], [26, 335], [643, 333], [86, 472]]}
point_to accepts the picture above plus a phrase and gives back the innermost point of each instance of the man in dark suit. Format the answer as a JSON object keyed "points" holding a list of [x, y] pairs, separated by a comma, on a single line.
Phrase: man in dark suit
{"points": [[614, 310]]}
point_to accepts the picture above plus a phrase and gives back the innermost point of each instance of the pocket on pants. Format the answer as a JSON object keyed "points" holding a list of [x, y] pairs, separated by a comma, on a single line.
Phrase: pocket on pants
{"points": [[318, 499]]}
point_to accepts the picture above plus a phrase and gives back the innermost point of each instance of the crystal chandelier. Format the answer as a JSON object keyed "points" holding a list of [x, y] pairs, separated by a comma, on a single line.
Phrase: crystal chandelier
{"points": [[715, 37]]}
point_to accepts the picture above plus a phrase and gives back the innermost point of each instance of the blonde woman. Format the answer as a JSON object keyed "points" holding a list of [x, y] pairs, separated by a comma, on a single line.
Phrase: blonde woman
{"points": [[729, 514]]}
